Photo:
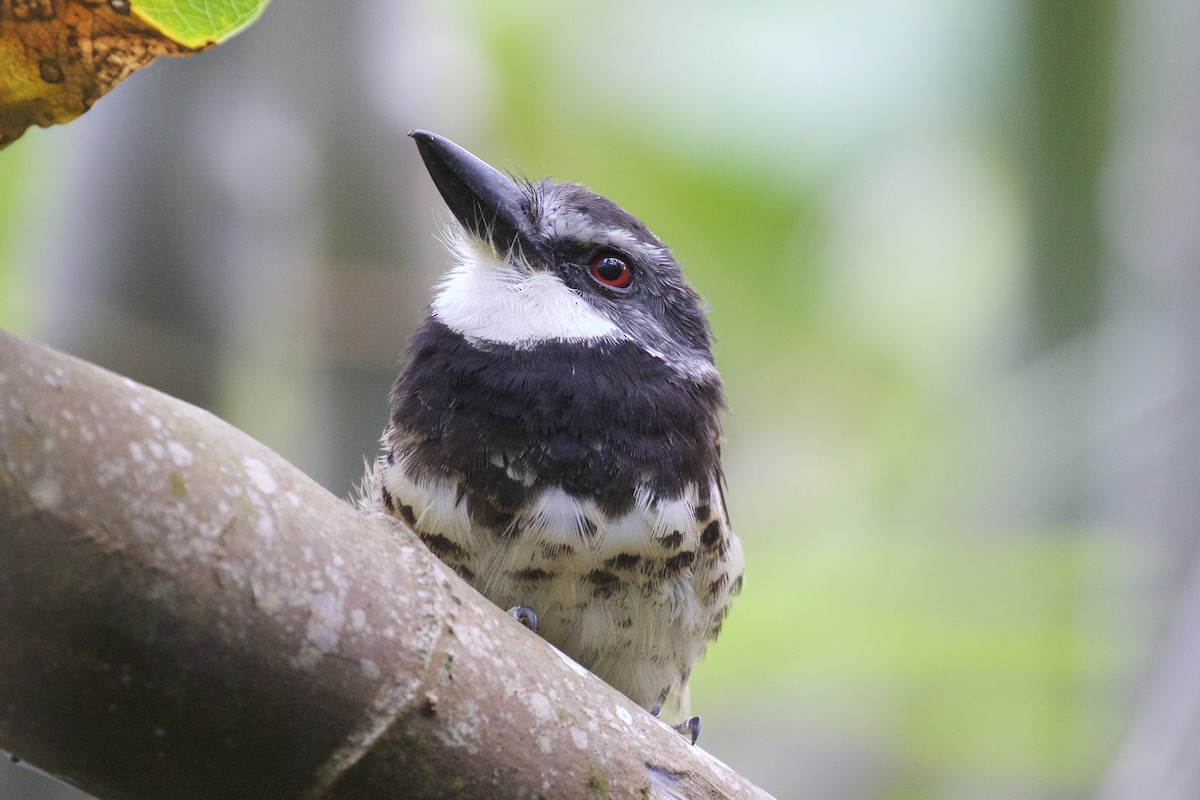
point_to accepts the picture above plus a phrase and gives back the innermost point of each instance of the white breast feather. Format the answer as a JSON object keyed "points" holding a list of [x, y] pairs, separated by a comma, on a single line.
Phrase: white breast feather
{"points": [[434, 503], [626, 534], [669, 622], [676, 515], [557, 518]]}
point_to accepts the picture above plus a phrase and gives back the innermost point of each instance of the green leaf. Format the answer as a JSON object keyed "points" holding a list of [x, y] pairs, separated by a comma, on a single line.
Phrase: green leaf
{"points": [[198, 24]]}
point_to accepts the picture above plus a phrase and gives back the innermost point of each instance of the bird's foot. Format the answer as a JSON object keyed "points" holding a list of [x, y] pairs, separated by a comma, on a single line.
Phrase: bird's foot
{"points": [[690, 727], [524, 615]]}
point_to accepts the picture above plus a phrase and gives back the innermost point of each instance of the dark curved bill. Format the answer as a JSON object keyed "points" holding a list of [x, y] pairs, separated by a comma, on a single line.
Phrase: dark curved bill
{"points": [[487, 202]]}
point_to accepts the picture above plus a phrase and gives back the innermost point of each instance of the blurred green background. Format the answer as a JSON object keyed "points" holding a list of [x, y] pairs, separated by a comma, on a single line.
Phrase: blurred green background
{"points": [[950, 250]]}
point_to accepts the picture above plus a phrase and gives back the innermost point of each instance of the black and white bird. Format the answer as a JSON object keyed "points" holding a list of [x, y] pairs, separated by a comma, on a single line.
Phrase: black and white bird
{"points": [[554, 436]]}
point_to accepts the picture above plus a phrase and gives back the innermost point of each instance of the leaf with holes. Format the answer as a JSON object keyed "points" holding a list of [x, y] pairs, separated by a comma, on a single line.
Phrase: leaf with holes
{"points": [[57, 57]]}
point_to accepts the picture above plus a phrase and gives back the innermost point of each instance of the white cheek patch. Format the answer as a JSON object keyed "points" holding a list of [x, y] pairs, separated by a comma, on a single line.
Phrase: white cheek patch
{"points": [[482, 297]]}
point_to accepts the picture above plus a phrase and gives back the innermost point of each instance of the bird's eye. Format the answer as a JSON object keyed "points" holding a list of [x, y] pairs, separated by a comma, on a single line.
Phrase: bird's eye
{"points": [[611, 271]]}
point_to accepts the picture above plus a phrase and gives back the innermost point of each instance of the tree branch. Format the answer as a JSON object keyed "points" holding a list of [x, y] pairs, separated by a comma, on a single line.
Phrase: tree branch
{"points": [[183, 614]]}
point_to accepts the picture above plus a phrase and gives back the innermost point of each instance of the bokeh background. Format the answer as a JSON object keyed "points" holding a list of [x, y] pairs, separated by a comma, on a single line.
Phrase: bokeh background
{"points": [[952, 253]]}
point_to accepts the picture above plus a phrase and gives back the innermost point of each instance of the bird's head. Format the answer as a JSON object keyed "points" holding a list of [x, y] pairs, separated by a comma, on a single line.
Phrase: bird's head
{"points": [[548, 261]]}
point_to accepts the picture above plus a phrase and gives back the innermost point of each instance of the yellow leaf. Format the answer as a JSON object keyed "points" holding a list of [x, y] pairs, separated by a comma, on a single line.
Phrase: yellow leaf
{"points": [[57, 57]]}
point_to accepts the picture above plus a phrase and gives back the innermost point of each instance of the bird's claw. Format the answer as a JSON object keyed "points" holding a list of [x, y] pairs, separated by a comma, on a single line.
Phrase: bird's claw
{"points": [[689, 727], [524, 615]]}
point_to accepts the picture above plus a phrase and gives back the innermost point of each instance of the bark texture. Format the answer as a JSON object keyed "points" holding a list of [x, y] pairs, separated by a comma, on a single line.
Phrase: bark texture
{"points": [[183, 614]]}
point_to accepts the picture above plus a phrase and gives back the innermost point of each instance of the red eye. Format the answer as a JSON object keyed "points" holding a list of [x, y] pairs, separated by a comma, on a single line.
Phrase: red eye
{"points": [[612, 271]]}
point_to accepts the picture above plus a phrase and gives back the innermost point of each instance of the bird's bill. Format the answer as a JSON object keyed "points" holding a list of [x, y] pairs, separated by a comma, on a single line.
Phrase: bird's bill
{"points": [[484, 200]]}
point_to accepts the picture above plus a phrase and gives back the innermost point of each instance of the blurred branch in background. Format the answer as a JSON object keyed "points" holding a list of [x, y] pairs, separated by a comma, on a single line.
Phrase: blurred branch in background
{"points": [[1161, 754], [1146, 477], [1068, 66]]}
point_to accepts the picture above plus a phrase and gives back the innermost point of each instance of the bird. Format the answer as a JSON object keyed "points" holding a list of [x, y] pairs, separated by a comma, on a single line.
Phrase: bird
{"points": [[555, 435]]}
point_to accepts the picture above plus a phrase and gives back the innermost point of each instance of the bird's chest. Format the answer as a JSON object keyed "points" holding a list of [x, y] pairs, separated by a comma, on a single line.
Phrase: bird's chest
{"points": [[633, 596], [583, 482], [547, 542], [600, 421]]}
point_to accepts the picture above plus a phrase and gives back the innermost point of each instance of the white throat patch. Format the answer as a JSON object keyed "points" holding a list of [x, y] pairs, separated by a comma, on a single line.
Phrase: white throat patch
{"points": [[484, 298]]}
